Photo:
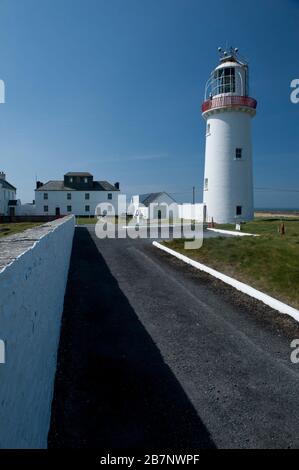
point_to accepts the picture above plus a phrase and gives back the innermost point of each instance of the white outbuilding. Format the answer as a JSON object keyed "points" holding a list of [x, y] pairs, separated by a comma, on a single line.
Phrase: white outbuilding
{"points": [[153, 206]]}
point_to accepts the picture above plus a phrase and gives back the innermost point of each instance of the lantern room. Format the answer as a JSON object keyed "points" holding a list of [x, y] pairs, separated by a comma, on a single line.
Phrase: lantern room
{"points": [[229, 78]]}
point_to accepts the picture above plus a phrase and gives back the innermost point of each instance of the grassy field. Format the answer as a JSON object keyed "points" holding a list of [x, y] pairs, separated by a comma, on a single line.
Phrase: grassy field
{"points": [[10, 229], [269, 262], [266, 226], [94, 220], [86, 220]]}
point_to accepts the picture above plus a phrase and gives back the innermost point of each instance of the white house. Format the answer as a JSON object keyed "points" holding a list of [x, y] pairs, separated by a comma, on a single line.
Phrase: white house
{"points": [[76, 194], [153, 206], [7, 196]]}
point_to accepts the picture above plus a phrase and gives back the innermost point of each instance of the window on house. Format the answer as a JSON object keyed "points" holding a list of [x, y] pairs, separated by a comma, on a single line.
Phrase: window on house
{"points": [[87, 208], [69, 196], [86, 196], [71, 179], [206, 183], [85, 180], [69, 208], [238, 153], [45, 196], [109, 196], [46, 208], [238, 210]]}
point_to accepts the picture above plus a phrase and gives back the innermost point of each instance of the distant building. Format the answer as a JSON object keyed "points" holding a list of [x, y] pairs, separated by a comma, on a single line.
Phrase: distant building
{"points": [[76, 194], [152, 205], [7, 196]]}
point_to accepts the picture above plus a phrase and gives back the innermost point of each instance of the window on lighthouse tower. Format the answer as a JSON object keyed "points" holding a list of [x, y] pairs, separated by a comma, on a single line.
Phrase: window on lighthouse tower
{"points": [[238, 153]]}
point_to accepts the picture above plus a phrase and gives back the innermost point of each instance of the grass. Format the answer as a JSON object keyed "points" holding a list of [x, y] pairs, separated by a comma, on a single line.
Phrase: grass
{"points": [[86, 220], [266, 226], [94, 220], [112, 220], [12, 228], [269, 262]]}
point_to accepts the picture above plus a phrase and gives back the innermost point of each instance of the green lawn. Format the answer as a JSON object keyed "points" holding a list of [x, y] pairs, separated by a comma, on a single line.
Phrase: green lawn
{"points": [[94, 220], [267, 226], [86, 220], [269, 262], [10, 229]]}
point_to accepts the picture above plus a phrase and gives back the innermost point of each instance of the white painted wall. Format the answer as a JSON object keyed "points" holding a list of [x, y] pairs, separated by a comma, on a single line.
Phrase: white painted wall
{"points": [[25, 209], [77, 202], [230, 182], [32, 292]]}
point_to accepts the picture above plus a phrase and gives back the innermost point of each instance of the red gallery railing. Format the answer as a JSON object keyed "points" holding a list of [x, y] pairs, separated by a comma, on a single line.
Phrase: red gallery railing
{"points": [[228, 101]]}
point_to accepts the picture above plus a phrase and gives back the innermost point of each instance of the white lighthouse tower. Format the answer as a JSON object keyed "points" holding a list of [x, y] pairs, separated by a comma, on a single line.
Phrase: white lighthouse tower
{"points": [[228, 109]]}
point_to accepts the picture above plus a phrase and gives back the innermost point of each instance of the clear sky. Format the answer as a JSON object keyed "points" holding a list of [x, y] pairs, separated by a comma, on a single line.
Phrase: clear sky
{"points": [[115, 87]]}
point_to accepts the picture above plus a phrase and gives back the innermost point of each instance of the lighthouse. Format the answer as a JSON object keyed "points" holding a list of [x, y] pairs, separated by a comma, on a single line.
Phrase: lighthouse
{"points": [[228, 110]]}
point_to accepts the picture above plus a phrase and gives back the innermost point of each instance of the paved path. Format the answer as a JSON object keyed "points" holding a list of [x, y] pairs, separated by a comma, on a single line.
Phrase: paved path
{"points": [[154, 354]]}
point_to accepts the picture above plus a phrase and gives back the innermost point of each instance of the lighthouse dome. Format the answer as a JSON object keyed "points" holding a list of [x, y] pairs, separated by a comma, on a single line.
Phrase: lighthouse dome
{"points": [[230, 77]]}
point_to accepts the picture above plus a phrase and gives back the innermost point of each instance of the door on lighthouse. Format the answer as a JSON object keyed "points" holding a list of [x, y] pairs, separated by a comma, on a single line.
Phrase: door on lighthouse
{"points": [[57, 211]]}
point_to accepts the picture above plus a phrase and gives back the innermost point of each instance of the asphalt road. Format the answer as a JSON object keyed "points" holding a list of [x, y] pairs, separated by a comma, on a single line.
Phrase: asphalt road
{"points": [[156, 355]]}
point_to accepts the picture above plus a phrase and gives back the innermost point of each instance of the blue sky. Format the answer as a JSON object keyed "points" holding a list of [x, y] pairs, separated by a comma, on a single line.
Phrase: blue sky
{"points": [[115, 87]]}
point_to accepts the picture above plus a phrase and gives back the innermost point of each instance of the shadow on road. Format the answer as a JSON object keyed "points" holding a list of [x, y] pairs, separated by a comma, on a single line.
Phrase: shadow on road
{"points": [[113, 390]]}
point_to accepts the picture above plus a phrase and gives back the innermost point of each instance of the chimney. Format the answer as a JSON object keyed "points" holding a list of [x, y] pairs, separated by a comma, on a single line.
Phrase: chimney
{"points": [[2, 175], [39, 184], [116, 185]]}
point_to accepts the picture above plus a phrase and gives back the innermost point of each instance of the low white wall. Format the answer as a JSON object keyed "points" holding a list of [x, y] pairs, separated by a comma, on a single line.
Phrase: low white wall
{"points": [[33, 274], [182, 211], [25, 209]]}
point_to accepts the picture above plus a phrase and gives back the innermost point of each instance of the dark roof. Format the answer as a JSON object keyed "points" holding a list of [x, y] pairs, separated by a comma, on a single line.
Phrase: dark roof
{"points": [[54, 186], [147, 199], [59, 186], [5, 184], [104, 186], [78, 173]]}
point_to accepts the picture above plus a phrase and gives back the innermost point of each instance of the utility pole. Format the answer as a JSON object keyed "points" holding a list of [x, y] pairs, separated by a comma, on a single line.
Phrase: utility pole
{"points": [[193, 193]]}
